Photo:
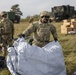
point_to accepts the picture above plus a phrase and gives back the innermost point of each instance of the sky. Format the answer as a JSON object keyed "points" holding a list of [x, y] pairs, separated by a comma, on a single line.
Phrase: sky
{"points": [[32, 7]]}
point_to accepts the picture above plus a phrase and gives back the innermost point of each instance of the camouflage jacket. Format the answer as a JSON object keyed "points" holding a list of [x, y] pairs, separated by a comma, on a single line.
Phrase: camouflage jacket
{"points": [[41, 31], [7, 26]]}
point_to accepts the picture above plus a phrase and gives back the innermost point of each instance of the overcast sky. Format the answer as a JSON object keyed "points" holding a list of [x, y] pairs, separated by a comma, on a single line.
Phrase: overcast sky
{"points": [[32, 7]]}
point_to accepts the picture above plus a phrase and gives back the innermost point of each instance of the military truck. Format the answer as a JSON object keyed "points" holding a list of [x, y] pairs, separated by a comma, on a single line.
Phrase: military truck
{"points": [[15, 14], [63, 12], [13, 17]]}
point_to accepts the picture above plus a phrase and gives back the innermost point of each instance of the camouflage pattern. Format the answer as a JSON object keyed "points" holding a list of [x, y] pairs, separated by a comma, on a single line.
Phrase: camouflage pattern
{"points": [[42, 32], [44, 13], [3, 13], [7, 33]]}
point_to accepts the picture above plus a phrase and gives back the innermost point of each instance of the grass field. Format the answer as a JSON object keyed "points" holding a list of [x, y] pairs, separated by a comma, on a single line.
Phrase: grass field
{"points": [[68, 43]]}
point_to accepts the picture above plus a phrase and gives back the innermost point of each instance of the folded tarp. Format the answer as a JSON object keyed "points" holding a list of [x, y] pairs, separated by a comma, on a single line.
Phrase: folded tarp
{"points": [[25, 59]]}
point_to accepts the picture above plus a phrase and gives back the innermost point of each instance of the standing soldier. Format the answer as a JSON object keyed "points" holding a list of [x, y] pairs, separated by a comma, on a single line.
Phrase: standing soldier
{"points": [[7, 32], [31, 19], [41, 30]]}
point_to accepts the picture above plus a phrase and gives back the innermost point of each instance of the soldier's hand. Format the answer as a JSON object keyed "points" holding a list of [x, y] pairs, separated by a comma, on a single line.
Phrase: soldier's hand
{"points": [[21, 35], [55, 39]]}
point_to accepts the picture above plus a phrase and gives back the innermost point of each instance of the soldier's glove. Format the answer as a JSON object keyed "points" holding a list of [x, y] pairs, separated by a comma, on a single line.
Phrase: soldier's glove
{"points": [[22, 35], [55, 39], [31, 41]]}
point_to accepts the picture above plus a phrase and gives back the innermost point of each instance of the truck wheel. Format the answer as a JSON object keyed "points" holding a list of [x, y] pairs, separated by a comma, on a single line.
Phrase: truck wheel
{"points": [[18, 21], [17, 18]]}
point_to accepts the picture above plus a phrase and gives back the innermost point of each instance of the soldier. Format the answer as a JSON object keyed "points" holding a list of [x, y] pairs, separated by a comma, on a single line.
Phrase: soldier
{"points": [[7, 32], [31, 19], [41, 30]]}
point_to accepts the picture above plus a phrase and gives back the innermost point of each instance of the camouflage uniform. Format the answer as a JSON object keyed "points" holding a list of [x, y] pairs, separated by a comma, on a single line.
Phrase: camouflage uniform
{"points": [[7, 33], [41, 32]]}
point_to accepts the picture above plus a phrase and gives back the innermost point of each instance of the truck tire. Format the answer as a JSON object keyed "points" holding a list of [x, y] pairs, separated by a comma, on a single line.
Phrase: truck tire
{"points": [[17, 18]]}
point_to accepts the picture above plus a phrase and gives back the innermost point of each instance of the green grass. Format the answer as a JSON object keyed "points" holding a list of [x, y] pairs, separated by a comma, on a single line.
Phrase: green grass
{"points": [[68, 43]]}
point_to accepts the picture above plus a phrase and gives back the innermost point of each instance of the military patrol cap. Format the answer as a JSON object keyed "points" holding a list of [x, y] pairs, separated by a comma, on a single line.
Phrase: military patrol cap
{"points": [[3, 13], [44, 13]]}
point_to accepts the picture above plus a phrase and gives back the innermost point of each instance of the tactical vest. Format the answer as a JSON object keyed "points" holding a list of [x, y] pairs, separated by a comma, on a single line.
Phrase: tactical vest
{"points": [[43, 32]]}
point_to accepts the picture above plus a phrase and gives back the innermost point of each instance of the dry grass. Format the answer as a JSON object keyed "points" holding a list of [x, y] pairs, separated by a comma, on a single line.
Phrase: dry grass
{"points": [[68, 43]]}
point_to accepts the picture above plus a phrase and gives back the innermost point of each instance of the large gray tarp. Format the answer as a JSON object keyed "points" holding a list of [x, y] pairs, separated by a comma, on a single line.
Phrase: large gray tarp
{"points": [[25, 59]]}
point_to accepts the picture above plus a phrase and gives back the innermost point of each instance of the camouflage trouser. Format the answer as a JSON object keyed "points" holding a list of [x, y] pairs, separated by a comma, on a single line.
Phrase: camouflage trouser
{"points": [[7, 40]]}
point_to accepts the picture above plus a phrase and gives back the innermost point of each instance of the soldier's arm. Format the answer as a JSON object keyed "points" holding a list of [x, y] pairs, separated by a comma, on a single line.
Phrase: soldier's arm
{"points": [[29, 30], [1, 27], [54, 32], [0, 30], [12, 28]]}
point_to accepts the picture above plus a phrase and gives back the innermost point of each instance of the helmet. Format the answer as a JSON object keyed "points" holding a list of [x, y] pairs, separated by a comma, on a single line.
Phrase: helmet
{"points": [[3, 13], [44, 13]]}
